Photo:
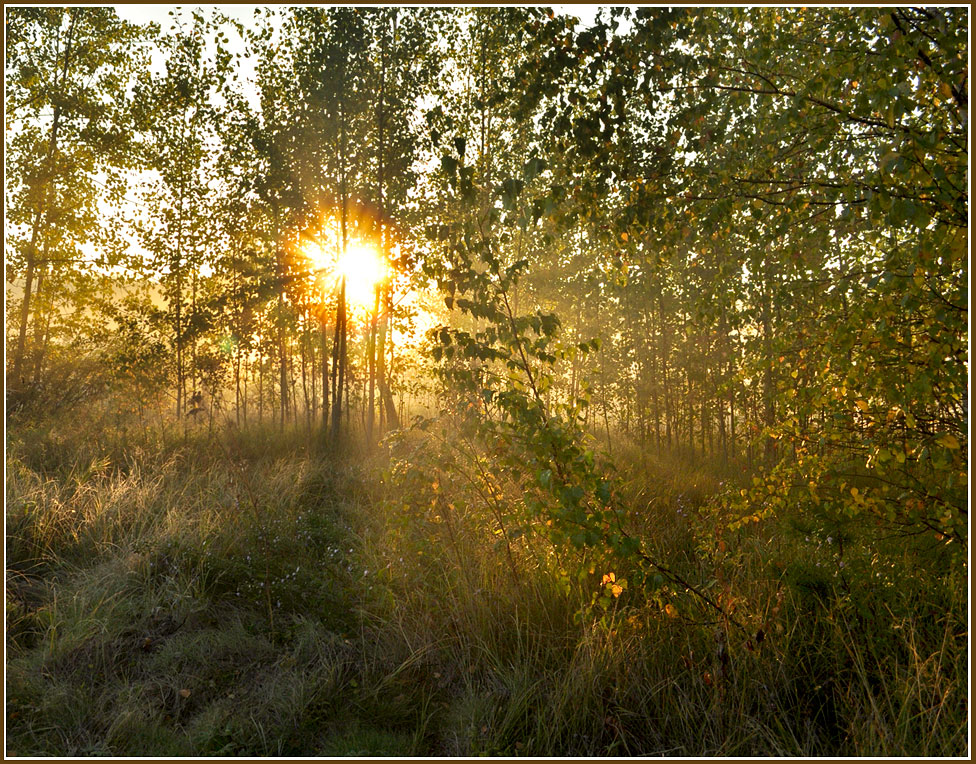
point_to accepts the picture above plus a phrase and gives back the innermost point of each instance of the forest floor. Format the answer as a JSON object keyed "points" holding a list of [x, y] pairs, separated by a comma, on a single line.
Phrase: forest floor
{"points": [[171, 598]]}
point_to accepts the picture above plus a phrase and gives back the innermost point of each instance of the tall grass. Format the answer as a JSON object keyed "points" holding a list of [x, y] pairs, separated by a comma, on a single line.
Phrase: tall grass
{"points": [[256, 595]]}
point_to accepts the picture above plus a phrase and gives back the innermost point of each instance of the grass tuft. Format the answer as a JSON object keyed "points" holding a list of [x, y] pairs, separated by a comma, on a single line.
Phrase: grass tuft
{"points": [[258, 597]]}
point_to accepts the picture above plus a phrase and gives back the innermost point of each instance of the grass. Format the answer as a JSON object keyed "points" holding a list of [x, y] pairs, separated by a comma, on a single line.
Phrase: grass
{"points": [[263, 597]]}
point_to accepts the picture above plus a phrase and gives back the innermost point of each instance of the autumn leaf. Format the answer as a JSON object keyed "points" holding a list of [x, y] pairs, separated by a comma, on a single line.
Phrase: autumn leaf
{"points": [[949, 441]]}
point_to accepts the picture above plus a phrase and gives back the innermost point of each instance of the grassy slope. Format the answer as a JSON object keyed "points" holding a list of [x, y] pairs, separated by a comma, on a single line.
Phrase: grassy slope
{"points": [[168, 599]]}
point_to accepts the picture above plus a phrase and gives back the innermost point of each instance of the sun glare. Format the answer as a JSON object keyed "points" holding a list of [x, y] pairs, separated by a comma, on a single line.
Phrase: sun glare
{"points": [[361, 266], [363, 270]]}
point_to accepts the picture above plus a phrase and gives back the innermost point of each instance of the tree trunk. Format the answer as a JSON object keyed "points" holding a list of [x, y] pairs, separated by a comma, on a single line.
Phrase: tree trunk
{"points": [[325, 376], [282, 360], [308, 412], [41, 213], [386, 383], [769, 387], [665, 373]]}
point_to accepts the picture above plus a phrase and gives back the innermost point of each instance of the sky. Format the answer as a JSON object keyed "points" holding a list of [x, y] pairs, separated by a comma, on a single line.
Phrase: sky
{"points": [[159, 13]]}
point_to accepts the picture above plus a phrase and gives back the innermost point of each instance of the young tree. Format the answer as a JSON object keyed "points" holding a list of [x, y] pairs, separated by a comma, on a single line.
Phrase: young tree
{"points": [[177, 116], [68, 147]]}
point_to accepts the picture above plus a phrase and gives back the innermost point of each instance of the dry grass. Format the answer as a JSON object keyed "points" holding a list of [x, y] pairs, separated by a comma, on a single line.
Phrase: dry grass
{"points": [[261, 598]]}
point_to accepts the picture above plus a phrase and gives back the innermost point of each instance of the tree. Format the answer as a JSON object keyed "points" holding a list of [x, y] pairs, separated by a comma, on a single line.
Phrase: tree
{"points": [[67, 146], [178, 119]]}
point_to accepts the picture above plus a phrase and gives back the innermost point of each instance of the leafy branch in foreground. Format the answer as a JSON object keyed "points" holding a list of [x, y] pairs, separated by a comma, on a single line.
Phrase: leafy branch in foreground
{"points": [[521, 447]]}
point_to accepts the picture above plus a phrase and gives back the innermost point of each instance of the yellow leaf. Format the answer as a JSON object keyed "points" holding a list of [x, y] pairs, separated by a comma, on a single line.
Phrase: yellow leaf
{"points": [[671, 610], [949, 441], [863, 405], [609, 578], [616, 590], [624, 236]]}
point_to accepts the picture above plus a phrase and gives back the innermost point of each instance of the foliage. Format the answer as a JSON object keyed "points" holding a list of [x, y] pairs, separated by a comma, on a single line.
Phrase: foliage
{"points": [[676, 301]]}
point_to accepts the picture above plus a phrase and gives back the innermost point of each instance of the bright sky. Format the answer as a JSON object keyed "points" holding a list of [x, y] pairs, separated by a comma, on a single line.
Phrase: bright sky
{"points": [[160, 13], [143, 14]]}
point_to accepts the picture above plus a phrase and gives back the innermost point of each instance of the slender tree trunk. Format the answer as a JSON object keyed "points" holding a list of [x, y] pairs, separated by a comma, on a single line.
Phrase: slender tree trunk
{"points": [[42, 319], [181, 407], [237, 386], [652, 379], [371, 368], [178, 300], [386, 383], [374, 318], [733, 446], [314, 375], [706, 432], [244, 396], [339, 351], [41, 348], [41, 212], [325, 376], [282, 358], [304, 363], [194, 379], [769, 403], [665, 372], [720, 399]]}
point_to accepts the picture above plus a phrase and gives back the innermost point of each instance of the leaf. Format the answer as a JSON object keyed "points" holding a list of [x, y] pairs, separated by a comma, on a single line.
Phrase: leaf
{"points": [[862, 405], [949, 441], [671, 610], [184, 693]]}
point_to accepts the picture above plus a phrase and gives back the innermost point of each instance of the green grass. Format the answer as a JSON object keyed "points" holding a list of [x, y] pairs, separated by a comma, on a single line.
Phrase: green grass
{"points": [[264, 598]]}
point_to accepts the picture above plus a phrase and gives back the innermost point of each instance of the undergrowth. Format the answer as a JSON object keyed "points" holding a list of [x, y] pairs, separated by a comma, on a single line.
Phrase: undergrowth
{"points": [[255, 594]]}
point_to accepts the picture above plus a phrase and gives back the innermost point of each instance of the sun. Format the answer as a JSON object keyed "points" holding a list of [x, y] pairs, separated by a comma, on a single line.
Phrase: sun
{"points": [[363, 270], [361, 266]]}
